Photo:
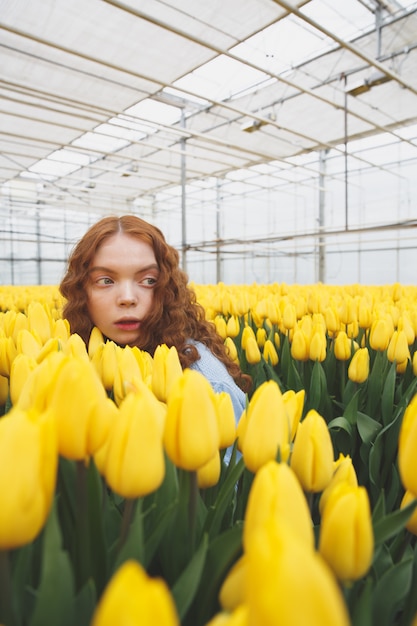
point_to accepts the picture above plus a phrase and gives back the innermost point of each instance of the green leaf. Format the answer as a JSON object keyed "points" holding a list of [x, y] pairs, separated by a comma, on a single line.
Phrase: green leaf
{"points": [[362, 609], [391, 524], [85, 604], [222, 553], [98, 548], [342, 435], [55, 596], [216, 513], [390, 592], [387, 400], [368, 428], [187, 584], [133, 546]]}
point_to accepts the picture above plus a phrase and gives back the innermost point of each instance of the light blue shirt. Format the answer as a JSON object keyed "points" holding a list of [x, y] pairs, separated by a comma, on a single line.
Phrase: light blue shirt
{"points": [[216, 373]]}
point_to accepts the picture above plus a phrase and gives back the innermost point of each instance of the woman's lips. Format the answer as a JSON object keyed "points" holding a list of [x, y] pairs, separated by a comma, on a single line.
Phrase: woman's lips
{"points": [[128, 324]]}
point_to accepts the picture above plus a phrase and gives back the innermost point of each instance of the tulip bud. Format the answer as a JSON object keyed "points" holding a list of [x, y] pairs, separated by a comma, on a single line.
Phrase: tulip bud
{"points": [[312, 456], [269, 353], [253, 354], [379, 336], [133, 463], [132, 597], [128, 375], [82, 410], [342, 346], [276, 492], [4, 389], [289, 317], [29, 459], [28, 343], [166, 370], [267, 427], [411, 524], [232, 591], [398, 347], [22, 366], [61, 330], [191, 436], [39, 321], [96, 340], [220, 324], [294, 405], [233, 326], [308, 594], [318, 345], [261, 337], [208, 475], [332, 320], [8, 353], [231, 349], [364, 314], [225, 419], [344, 472], [300, 348], [346, 534], [407, 447], [358, 370]]}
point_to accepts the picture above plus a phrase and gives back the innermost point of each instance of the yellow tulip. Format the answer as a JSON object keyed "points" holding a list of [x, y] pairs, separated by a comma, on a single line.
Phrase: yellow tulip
{"points": [[246, 333], [364, 314], [133, 462], [128, 375], [239, 617], [191, 435], [294, 405], [61, 330], [28, 343], [253, 354], [267, 427], [96, 340], [233, 326], [39, 321], [28, 468], [231, 349], [312, 456], [344, 472], [220, 324], [346, 534], [289, 316], [36, 387], [109, 364], [166, 370], [276, 492], [4, 389], [225, 419], [398, 349], [269, 353], [379, 335], [232, 591], [358, 370], [75, 346], [261, 337], [300, 346], [318, 345], [8, 353], [411, 524], [332, 320], [289, 583], [407, 447], [82, 410], [132, 597], [342, 346], [208, 475], [22, 366]]}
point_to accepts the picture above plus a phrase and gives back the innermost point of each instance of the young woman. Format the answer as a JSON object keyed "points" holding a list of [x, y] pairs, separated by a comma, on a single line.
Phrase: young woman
{"points": [[124, 278]]}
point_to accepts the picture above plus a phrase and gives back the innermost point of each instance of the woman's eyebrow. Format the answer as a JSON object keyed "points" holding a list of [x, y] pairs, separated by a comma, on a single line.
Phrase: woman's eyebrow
{"points": [[103, 268]]}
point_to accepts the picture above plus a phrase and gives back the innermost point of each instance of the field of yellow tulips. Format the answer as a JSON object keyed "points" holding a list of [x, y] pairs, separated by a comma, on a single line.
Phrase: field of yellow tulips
{"points": [[128, 495]]}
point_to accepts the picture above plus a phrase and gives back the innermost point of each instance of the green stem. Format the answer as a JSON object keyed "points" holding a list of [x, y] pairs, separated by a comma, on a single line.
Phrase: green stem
{"points": [[126, 521], [6, 609], [192, 508], [82, 545]]}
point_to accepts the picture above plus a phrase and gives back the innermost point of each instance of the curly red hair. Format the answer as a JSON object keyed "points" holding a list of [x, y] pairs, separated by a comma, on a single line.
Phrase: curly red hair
{"points": [[176, 317]]}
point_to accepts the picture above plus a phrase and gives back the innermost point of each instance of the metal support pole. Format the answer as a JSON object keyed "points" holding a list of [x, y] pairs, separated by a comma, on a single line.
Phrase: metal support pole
{"points": [[183, 202], [322, 219], [218, 257]]}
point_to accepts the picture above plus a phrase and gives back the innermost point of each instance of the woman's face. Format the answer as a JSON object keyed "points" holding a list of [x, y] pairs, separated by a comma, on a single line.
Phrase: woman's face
{"points": [[120, 289]]}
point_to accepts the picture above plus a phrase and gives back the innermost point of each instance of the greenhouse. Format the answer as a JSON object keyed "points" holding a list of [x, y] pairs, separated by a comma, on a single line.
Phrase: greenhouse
{"points": [[208, 313], [271, 141]]}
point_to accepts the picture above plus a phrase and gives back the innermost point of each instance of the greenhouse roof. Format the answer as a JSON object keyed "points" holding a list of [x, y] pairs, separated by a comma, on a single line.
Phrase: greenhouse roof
{"points": [[103, 98]]}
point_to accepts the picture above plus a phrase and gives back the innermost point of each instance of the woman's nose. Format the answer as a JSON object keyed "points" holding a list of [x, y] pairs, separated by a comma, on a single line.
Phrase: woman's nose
{"points": [[127, 295]]}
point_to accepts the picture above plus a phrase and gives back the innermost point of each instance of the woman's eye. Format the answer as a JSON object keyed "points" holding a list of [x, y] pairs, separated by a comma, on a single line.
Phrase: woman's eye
{"points": [[149, 281], [105, 280]]}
